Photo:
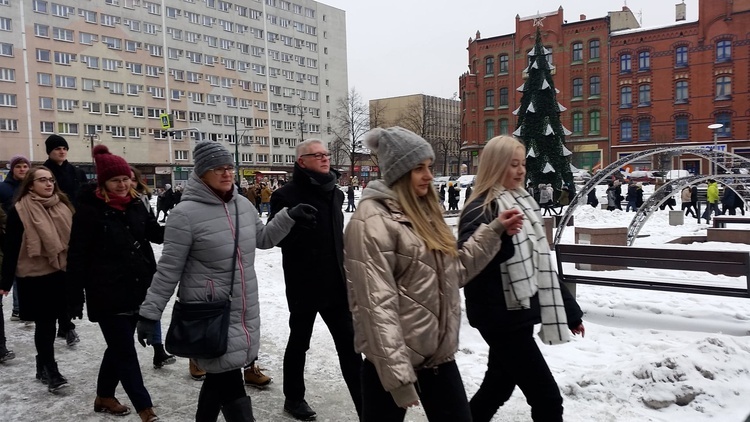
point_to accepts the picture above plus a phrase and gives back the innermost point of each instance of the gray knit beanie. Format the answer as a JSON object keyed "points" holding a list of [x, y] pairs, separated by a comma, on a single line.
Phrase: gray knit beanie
{"points": [[399, 150], [209, 155]]}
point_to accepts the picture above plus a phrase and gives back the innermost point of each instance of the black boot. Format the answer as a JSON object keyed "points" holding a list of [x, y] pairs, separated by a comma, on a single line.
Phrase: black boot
{"points": [[161, 357], [55, 380], [240, 410], [41, 373]]}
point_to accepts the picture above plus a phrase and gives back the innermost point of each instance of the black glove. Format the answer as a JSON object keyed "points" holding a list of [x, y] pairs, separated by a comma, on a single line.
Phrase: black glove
{"points": [[304, 215], [146, 329]]}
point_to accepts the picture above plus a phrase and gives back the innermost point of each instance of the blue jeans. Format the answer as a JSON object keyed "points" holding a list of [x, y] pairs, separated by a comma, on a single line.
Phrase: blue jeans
{"points": [[265, 207]]}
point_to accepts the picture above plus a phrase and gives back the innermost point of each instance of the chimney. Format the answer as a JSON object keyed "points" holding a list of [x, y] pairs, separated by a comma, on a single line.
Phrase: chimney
{"points": [[680, 12], [583, 17]]}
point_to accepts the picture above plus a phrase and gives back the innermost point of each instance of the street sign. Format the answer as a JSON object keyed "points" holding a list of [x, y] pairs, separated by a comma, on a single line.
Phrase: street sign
{"points": [[166, 121]]}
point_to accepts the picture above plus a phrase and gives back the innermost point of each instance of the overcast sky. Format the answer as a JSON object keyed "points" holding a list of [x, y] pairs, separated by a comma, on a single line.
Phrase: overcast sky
{"points": [[403, 47]]}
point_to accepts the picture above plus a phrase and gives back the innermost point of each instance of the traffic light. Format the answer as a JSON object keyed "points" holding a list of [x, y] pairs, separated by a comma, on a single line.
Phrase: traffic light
{"points": [[167, 121]]}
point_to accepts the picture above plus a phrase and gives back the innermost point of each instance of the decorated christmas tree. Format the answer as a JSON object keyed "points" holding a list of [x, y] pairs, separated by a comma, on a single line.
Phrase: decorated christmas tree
{"points": [[547, 158]]}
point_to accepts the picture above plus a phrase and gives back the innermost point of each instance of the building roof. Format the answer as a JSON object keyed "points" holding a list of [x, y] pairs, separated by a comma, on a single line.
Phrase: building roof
{"points": [[651, 28]]}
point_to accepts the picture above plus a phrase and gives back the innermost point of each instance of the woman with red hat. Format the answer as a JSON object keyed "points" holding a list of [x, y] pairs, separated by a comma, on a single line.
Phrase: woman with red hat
{"points": [[112, 259]]}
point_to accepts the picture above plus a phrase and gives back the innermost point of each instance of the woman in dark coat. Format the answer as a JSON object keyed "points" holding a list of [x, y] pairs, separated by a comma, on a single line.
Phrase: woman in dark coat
{"points": [[112, 260], [36, 255]]}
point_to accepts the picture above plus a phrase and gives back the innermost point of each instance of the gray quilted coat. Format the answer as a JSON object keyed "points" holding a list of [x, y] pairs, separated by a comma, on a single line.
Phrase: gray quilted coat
{"points": [[404, 298], [197, 255]]}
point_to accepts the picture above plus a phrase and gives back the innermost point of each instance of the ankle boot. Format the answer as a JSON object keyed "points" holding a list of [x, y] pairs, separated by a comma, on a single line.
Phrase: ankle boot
{"points": [[255, 378], [55, 380], [110, 405], [161, 357], [148, 415], [240, 410], [41, 373]]}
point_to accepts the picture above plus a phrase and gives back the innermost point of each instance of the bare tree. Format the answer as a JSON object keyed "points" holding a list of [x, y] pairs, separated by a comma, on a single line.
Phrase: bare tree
{"points": [[378, 112], [349, 124]]}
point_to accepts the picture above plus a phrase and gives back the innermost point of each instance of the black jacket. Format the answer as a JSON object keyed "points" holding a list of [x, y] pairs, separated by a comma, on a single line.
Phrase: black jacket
{"points": [[7, 191], [485, 301], [69, 178], [110, 256], [313, 258]]}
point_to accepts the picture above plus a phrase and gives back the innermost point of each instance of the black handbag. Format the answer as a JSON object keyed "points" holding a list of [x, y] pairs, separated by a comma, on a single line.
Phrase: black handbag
{"points": [[200, 330]]}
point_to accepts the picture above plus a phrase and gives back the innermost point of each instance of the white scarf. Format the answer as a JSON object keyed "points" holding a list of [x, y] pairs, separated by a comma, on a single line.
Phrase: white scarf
{"points": [[529, 271]]}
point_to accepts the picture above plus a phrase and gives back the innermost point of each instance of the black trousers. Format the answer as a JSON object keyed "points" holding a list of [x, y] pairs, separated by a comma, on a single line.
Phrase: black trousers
{"points": [[218, 389], [440, 389], [515, 360], [339, 322]]}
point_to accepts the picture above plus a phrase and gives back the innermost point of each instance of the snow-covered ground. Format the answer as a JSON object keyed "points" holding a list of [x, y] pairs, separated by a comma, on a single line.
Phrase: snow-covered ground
{"points": [[647, 356]]}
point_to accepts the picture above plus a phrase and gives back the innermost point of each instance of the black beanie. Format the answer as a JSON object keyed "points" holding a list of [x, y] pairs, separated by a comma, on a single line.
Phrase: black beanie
{"points": [[55, 141]]}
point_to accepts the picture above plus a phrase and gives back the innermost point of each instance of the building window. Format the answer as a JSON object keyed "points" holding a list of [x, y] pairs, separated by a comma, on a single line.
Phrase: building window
{"points": [[681, 56], [503, 97], [724, 51], [578, 52], [626, 97], [625, 63], [723, 88], [595, 121], [578, 123], [489, 98], [644, 130], [489, 129], [681, 92], [681, 127], [644, 60], [726, 120], [626, 131], [503, 127], [595, 86], [577, 88], [503, 64], [593, 49], [489, 66], [644, 95]]}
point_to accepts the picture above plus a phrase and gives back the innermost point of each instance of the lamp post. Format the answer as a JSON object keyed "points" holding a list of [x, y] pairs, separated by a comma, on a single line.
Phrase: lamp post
{"points": [[715, 128]]}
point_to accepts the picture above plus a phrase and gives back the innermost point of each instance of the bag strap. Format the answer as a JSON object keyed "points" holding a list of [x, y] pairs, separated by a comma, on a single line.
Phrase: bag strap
{"points": [[236, 244]]}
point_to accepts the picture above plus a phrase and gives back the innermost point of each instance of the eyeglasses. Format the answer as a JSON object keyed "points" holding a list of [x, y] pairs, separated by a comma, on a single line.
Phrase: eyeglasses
{"points": [[45, 180], [220, 171], [122, 180], [318, 155]]}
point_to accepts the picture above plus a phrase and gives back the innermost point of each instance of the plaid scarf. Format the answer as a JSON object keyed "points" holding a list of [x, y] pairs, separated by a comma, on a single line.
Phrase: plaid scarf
{"points": [[529, 271]]}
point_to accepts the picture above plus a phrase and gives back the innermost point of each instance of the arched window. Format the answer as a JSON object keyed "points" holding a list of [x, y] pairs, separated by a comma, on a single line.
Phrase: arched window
{"points": [[644, 60], [644, 95], [724, 51], [577, 88], [723, 88], [594, 49], [489, 129], [681, 56], [577, 52], [489, 66], [578, 123], [681, 92], [595, 86], [625, 63], [626, 131], [725, 119], [489, 98], [626, 97], [644, 130], [681, 127], [595, 122]]}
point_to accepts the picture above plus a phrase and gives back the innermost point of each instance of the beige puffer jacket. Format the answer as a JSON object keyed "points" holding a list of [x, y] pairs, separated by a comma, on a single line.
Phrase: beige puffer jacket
{"points": [[403, 297]]}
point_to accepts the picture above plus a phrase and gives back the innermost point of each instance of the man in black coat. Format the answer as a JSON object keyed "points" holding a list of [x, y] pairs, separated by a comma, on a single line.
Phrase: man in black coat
{"points": [[69, 179], [313, 261]]}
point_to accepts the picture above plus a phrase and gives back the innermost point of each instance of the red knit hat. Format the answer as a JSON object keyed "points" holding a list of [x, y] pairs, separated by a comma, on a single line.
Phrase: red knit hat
{"points": [[109, 165]]}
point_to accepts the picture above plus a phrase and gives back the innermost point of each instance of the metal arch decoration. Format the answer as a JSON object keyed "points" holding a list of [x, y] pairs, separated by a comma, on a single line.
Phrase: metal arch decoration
{"points": [[605, 173], [662, 194]]}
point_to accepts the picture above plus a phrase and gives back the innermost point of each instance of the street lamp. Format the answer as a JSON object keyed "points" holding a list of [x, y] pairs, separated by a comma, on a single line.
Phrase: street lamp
{"points": [[714, 127]]}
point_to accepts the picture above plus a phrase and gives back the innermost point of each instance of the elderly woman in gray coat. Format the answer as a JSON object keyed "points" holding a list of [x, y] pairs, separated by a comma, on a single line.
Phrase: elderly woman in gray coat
{"points": [[198, 254]]}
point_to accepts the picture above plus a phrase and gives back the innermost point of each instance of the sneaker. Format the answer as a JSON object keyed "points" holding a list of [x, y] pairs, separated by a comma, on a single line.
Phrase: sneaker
{"points": [[195, 372], [110, 405], [14, 316], [255, 378], [299, 410], [6, 355], [71, 337]]}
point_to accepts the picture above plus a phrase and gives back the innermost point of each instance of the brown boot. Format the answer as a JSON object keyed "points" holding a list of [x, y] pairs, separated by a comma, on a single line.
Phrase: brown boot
{"points": [[148, 415], [197, 373], [255, 378], [110, 405]]}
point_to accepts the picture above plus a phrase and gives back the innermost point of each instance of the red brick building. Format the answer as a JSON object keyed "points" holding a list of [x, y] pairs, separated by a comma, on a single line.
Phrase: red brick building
{"points": [[626, 88]]}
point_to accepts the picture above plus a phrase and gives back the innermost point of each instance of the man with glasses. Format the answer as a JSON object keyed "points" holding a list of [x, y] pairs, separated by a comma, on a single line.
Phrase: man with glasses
{"points": [[70, 179], [313, 261]]}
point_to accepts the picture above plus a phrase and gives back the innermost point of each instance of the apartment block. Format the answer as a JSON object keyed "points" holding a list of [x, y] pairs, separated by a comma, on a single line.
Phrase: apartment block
{"points": [[257, 76]]}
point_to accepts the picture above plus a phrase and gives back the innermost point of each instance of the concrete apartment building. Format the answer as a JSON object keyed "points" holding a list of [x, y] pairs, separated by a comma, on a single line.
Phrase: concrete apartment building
{"points": [[435, 119], [257, 76], [626, 88]]}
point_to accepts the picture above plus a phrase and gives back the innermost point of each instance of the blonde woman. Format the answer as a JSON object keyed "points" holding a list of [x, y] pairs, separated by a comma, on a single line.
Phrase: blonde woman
{"points": [[403, 274], [517, 290]]}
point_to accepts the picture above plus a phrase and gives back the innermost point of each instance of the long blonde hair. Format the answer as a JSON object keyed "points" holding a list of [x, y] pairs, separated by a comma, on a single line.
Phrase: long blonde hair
{"points": [[426, 216], [493, 165]]}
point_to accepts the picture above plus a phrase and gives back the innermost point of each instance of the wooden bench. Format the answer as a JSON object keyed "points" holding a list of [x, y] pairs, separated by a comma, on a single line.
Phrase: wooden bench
{"points": [[729, 263], [721, 221]]}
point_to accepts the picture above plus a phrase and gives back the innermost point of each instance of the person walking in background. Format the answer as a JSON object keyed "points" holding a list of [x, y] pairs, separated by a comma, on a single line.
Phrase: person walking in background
{"points": [[36, 256], [19, 166], [612, 196], [199, 256], [5, 353], [111, 260], [630, 197], [403, 274], [686, 203], [694, 199], [517, 290], [165, 202], [441, 196], [638, 194], [728, 201], [69, 179], [712, 199], [452, 197], [591, 198], [468, 192], [313, 261], [177, 195], [265, 199], [350, 207]]}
